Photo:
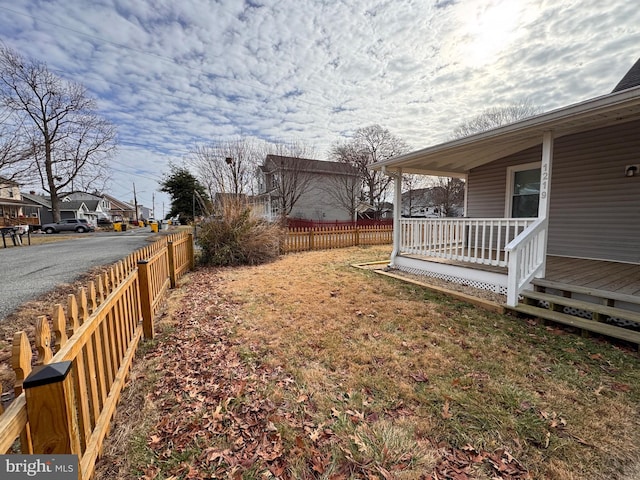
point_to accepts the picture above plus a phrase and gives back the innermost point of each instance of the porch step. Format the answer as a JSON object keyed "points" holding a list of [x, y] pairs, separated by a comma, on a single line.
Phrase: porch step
{"points": [[544, 284], [598, 309], [582, 323]]}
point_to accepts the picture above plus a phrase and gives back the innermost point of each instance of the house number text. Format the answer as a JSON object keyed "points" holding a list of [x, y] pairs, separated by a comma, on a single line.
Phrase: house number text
{"points": [[544, 180]]}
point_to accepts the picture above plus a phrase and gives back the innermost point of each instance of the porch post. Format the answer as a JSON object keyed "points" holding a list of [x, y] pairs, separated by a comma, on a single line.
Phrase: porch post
{"points": [[545, 174], [397, 215], [545, 190], [466, 196]]}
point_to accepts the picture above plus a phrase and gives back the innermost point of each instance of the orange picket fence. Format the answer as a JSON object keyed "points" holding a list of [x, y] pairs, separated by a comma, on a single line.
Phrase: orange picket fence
{"points": [[65, 404]]}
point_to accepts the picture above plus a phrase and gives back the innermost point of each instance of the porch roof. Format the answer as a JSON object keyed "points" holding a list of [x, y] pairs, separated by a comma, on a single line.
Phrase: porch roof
{"points": [[455, 158]]}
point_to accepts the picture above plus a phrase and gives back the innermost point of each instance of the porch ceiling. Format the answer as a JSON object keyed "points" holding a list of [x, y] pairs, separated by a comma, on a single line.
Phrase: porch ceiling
{"points": [[457, 157]]}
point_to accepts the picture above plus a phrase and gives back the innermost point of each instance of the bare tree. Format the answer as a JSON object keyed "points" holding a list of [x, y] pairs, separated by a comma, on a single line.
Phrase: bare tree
{"points": [[447, 192], [345, 188], [71, 142], [287, 172], [411, 183], [369, 145], [227, 166], [15, 150], [288, 178], [496, 117]]}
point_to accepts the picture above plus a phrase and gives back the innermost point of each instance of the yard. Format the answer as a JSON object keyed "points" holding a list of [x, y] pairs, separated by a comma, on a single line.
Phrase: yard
{"points": [[310, 368]]}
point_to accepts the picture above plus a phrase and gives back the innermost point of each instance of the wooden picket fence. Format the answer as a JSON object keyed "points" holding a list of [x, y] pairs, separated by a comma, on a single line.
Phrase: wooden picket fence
{"points": [[66, 403], [323, 238]]}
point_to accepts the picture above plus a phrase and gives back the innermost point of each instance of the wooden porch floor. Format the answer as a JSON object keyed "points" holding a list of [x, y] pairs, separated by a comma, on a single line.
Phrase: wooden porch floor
{"points": [[617, 277]]}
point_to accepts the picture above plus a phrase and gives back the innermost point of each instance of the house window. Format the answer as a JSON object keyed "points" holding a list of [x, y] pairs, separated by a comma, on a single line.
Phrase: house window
{"points": [[523, 190]]}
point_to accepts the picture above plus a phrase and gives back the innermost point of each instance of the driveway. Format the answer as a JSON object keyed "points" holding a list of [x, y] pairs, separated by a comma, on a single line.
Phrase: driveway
{"points": [[28, 272]]}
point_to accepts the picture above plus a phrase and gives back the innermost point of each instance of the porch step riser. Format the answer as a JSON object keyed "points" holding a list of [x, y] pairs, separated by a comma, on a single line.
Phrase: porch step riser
{"points": [[600, 310], [589, 315], [581, 323]]}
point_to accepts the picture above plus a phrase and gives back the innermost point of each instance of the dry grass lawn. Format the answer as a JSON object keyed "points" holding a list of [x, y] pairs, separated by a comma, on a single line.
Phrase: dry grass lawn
{"points": [[309, 368]]}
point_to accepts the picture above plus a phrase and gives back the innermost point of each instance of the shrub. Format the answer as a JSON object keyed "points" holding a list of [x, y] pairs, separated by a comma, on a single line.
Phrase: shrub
{"points": [[238, 237]]}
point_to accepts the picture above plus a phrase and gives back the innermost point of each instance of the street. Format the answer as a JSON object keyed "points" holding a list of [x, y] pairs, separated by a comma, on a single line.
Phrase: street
{"points": [[30, 271]]}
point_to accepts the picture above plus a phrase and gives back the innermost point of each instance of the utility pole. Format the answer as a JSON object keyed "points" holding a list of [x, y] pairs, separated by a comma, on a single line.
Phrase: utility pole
{"points": [[135, 201], [153, 205]]}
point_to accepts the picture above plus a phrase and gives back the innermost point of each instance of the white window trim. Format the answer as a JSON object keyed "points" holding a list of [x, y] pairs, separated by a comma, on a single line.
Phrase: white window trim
{"points": [[511, 171]]}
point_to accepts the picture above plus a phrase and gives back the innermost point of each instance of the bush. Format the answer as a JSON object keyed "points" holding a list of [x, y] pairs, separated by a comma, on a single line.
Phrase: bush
{"points": [[238, 237]]}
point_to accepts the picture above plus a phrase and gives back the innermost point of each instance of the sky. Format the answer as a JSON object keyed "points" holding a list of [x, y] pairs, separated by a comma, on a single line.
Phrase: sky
{"points": [[173, 75]]}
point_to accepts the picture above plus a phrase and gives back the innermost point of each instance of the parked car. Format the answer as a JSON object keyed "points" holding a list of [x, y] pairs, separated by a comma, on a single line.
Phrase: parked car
{"points": [[79, 225]]}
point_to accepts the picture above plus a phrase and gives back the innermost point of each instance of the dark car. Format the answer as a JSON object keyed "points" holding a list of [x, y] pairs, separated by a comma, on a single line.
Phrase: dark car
{"points": [[79, 225]]}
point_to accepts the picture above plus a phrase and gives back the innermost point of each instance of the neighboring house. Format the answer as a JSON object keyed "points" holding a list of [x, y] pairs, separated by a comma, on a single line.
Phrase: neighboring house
{"points": [[144, 213], [384, 211], [82, 205], [42, 203], [420, 202], [552, 201], [97, 204], [102, 206], [323, 186], [119, 210], [78, 209], [14, 210]]}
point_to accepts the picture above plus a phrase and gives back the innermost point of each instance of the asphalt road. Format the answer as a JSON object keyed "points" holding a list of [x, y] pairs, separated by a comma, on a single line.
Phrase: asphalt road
{"points": [[28, 272]]}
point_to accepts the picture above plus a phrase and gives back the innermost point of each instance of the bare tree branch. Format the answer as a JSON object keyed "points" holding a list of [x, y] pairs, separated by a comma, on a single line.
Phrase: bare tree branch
{"points": [[496, 117], [16, 151], [448, 192], [70, 142], [345, 190], [369, 145], [227, 166]]}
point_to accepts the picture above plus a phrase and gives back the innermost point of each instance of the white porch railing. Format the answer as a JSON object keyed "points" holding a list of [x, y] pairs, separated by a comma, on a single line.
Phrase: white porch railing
{"points": [[527, 258], [474, 240]]}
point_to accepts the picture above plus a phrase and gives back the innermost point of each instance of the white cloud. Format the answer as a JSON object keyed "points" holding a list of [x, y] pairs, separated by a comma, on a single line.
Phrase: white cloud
{"points": [[172, 74]]}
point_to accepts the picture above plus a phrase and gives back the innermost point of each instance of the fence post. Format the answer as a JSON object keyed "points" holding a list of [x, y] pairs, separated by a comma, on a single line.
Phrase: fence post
{"points": [[146, 301], [51, 410], [311, 239], [191, 252], [172, 264]]}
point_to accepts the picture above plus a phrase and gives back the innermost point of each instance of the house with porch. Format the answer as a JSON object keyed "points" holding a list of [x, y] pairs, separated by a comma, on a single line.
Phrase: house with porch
{"points": [[552, 213], [14, 209]]}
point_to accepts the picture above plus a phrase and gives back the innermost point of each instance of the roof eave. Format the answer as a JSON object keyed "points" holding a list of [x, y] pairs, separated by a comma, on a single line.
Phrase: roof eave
{"points": [[554, 120]]}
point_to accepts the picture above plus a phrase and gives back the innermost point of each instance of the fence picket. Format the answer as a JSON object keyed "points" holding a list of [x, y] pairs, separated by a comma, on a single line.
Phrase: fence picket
{"points": [[79, 376], [59, 326], [92, 301], [89, 358], [43, 341], [21, 363], [20, 359]]}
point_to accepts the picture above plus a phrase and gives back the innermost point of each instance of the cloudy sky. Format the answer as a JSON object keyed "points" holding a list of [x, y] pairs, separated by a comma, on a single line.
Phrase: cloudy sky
{"points": [[175, 74]]}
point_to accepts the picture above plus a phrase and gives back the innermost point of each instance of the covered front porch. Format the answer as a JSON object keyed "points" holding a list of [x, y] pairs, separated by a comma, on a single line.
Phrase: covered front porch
{"points": [[622, 280], [507, 252]]}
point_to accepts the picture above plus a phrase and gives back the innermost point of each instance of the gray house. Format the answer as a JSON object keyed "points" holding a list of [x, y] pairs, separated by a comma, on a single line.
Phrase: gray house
{"points": [[312, 189], [552, 211]]}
